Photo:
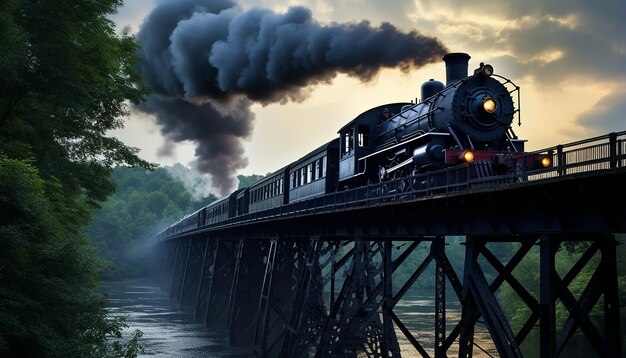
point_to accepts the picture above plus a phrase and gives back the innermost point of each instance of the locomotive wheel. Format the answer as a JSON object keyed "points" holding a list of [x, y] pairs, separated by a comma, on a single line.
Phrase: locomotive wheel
{"points": [[401, 183]]}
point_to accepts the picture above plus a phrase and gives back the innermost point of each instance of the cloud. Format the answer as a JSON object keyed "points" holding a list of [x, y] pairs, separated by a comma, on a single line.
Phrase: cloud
{"points": [[207, 61], [553, 42], [607, 115]]}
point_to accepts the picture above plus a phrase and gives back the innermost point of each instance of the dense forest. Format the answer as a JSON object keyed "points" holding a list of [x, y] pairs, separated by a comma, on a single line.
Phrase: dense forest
{"points": [[66, 80], [145, 202]]}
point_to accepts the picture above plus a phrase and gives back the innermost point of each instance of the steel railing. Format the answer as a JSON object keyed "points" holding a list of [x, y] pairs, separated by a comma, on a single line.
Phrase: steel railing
{"points": [[602, 153]]}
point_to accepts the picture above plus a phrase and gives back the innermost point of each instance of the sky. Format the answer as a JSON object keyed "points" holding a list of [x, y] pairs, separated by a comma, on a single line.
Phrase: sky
{"points": [[568, 57]]}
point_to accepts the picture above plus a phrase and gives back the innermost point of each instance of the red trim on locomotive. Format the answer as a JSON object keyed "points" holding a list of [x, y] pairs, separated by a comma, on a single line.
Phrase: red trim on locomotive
{"points": [[532, 161]]}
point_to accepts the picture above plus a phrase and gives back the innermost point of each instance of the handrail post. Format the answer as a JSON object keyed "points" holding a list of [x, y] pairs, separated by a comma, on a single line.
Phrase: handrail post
{"points": [[561, 158], [613, 149]]}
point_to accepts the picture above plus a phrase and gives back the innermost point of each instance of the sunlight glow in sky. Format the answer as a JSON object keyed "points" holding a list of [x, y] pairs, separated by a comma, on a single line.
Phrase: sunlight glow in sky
{"points": [[568, 57]]}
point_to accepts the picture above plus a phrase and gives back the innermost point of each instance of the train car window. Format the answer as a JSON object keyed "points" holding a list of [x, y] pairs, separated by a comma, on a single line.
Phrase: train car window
{"points": [[363, 140], [292, 180], [347, 142], [302, 176], [318, 168], [309, 172], [317, 173], [351, 141], [324, 163], [280, 186]]}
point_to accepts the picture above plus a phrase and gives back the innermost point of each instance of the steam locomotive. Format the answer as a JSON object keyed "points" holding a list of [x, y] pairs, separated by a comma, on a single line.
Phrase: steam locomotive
{"points": [[466, 120]]}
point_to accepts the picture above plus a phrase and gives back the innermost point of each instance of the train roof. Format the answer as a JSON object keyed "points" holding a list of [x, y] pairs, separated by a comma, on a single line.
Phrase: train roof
{"points": [[224, 198], [269, 176], [394, 107], [334, 143]]}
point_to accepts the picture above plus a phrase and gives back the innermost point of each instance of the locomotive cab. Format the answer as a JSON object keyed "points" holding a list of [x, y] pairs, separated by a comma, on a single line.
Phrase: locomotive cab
{"points": [[355, 142]]}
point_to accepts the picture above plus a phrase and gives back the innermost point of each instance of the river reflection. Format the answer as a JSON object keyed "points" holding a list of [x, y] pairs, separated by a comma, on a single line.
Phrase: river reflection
{"points": [[169, 332], [417, 312]]}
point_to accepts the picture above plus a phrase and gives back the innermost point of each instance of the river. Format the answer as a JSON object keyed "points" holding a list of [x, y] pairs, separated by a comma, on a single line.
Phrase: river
{"points": [[169, 332]]}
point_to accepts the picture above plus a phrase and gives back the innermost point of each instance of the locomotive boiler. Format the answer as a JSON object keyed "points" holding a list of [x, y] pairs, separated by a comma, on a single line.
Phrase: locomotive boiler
{"points": [[467, 119]]}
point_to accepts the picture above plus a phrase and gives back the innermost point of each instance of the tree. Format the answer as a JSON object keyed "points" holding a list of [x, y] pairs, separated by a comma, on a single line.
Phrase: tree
{"points": [[65, 81], [145, 203], [50, 307], [247, 180]]}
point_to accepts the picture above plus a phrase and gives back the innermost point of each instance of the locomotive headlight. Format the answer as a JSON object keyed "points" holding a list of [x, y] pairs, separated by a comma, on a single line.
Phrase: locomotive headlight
{"points": [[546, 162], [487, 70], [489, 105], [468, 156]]}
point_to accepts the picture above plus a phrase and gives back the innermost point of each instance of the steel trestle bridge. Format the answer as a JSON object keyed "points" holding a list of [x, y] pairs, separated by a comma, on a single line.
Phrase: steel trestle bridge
{"points": [[315, 278]]}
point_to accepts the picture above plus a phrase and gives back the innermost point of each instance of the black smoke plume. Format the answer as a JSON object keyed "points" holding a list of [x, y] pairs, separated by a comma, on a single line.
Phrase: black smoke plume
{"points": [[208, 60]]}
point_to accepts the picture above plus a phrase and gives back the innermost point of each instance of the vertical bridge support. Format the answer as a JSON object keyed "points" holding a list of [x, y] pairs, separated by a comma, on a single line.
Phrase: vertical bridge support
{"points": [[480, 300], [335, 297]]}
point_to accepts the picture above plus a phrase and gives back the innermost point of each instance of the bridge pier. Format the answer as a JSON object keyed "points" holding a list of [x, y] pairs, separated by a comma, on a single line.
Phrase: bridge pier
{"points": [[206, 279], [335, 296], [479, 298], [191, 278], [245, 295], [223, 279], [180, 255]]}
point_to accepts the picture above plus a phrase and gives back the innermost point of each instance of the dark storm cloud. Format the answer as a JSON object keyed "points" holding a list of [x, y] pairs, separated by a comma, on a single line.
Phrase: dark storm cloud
{"points": [[206, 61], [607, 115], [586, 38]]}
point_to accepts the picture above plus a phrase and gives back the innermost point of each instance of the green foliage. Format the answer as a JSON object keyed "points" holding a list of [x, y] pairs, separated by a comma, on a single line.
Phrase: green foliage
{"points": [[66, 79], [247, 180], [48, 273], [145, 203], [455, 252], [528, 274]]}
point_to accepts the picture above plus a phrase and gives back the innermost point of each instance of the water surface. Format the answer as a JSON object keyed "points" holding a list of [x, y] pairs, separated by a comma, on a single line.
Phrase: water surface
{"points": [[170, 332]]}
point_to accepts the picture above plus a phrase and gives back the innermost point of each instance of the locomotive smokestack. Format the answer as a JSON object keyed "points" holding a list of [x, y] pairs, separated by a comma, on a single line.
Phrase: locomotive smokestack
{"points": [[456, 67]]}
